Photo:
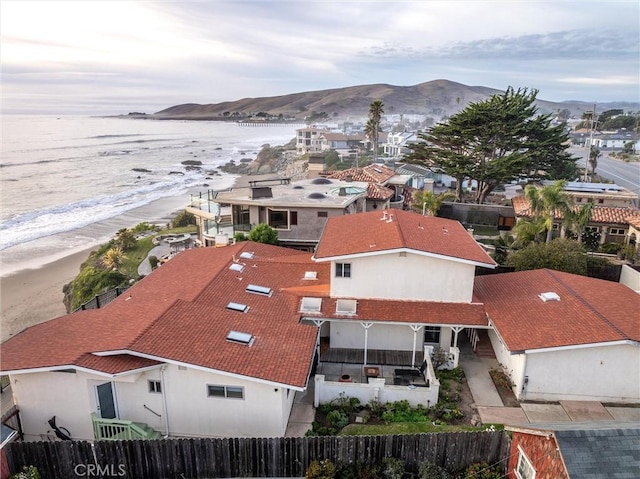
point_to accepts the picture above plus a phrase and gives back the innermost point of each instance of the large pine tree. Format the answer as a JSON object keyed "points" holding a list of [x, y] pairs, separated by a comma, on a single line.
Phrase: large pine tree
{"points": [[495, 141]]}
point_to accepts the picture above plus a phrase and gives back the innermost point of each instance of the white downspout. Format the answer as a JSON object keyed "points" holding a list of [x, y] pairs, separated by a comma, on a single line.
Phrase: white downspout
{"points": [[164, 400]]}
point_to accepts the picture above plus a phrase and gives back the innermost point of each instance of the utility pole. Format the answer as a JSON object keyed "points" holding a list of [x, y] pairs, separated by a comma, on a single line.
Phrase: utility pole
{"points": [[593, 124]]}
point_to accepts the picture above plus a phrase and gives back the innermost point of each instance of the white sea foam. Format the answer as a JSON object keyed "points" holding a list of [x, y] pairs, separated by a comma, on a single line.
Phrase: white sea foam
{"points": [[59, 175]]}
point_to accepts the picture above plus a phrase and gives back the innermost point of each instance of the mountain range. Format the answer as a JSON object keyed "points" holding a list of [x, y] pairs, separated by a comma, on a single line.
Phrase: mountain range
{"points": [[436, 98]]}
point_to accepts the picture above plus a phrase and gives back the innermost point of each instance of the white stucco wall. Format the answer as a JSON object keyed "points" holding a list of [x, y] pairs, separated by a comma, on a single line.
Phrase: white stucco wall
{"points": [[192, 413], [409, 276], [603, 373], [513, 364], [43, 395], [71, 397], [630, 278], [381, 336]]}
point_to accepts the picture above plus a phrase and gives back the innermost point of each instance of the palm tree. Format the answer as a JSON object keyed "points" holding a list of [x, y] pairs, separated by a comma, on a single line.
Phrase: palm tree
{"points": [[113, 258], [528, 231], [429, 203], [548, 202], [580, 219], [372, 129]]}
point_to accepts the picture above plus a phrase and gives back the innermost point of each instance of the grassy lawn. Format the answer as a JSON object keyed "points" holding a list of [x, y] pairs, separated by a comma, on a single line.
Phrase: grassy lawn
{"points": [[401, 428], [485, 230], [139, 254]]}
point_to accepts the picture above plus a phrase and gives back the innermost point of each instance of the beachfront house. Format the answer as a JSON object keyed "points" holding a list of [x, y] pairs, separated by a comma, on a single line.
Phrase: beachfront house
{"points": [[297, 210], [217, 341], [209, 344]]}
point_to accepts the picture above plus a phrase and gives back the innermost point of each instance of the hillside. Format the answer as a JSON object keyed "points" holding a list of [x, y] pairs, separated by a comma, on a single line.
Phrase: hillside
{"points": [[434, 98]]}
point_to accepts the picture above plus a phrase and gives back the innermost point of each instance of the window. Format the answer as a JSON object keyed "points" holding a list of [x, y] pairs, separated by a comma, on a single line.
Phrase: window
{"points": [[243, 308], [255, 289], [617, 231], [154, 386], [578, 200], [343, 270], [279, 219], [293, 218], [322, 214], [524, 468], [600, 201], [230, 392], [592, 229], [432, 334]]}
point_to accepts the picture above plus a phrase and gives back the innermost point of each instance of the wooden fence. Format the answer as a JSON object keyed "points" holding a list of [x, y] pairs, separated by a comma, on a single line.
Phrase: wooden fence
{"points": [[251, 457]]}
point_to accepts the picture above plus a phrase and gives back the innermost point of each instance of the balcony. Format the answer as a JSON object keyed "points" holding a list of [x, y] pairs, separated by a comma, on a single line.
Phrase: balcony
{"points": [[118, 429]]}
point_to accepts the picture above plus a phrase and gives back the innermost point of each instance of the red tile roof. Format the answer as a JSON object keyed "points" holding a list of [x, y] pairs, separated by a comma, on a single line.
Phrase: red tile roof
{"points": [[403, 311], [599, 214], [367, 233], [178, 313], [378, 174], [589, 311]]}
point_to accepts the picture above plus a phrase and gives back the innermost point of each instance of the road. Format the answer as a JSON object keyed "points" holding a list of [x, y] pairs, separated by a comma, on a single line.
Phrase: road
{"points": [[623, 174]]}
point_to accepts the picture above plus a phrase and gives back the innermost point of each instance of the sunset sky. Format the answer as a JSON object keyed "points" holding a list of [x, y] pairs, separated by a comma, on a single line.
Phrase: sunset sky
{"points": [[111, 57]]}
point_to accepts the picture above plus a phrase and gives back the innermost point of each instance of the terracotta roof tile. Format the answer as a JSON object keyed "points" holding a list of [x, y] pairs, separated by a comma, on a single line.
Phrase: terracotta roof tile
{"points": [[378, 192], [178, 312], [599, 214], [367, 232], [589, 311], [378, 174], [417, 312]]}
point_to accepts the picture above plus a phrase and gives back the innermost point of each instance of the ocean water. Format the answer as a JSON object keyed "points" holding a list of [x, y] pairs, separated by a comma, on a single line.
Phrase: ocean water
{"points": [[69, 183]]}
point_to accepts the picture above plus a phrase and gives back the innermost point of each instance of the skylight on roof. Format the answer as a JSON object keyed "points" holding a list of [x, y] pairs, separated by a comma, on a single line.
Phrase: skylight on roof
{"points": [[310, 275], [246, 255], [255, 289], [550, 296], [236, 267], [311, 305], [346, 306], [243, 308], [238, 337]]}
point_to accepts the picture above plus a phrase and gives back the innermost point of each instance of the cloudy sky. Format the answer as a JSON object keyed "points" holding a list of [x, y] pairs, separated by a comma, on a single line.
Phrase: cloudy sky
{"points": [[110, 57]]}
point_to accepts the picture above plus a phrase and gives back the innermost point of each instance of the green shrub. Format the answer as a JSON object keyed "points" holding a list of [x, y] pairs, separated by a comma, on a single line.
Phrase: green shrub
{"points": [[30, 472], [239, 237], [482, 470], [184, 218], [610, 248], [153, 261], [392, 468], [338, 419], [429, 470], [324, 469]]}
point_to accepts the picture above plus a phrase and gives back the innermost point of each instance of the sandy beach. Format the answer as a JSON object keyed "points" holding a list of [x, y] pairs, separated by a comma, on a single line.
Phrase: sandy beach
{"points": [[32, 296]]}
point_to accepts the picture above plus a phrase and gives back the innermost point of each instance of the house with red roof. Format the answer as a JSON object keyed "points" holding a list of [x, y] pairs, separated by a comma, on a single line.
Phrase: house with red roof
{"points": [[563, 336], [217, 341], [209, 344]]}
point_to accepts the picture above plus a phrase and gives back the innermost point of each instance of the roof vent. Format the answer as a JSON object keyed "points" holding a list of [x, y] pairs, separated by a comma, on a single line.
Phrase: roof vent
{"points": [[241, 338], [316, 196], [550, 296], [310, 275], [321, 181]]}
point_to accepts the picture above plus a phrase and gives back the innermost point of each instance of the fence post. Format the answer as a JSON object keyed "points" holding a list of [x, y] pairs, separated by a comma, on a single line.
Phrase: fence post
{"points": [[97, 301]]}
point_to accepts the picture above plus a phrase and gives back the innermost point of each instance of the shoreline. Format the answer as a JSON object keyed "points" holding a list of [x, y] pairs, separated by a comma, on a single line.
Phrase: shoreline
{"points": [[31, 290], [33, 294]]}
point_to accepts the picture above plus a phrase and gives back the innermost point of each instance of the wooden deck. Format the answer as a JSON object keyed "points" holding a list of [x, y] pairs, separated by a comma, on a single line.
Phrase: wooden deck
{"points": [[374, 356]]}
